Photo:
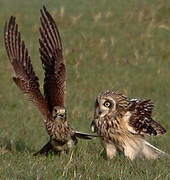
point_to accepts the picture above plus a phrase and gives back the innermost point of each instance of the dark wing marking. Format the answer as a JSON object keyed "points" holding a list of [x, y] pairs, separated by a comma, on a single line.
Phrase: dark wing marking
{"points": [[25, 78], [82, 135], [141, 120], [52, 60]]}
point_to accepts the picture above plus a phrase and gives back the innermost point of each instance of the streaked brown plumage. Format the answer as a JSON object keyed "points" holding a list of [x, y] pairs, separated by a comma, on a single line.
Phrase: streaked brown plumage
{"points": [[122, 124], [51, 105], [141, 120]]}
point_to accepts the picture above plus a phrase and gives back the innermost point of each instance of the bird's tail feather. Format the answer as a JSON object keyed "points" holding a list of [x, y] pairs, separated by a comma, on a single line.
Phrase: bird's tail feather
{"points": [[84, 135], [44, 150], [151, 152]]}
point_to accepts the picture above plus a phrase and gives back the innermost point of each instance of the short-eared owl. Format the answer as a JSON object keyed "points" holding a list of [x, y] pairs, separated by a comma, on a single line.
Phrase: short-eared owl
{"points": [[122, 124], [51, 105]]}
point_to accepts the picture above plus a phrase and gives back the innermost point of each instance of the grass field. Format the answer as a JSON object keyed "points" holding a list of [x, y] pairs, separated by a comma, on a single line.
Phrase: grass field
{"points": [[123, 45]]}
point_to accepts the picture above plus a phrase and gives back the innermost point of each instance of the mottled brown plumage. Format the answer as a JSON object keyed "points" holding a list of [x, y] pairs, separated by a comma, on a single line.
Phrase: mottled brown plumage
{"points": [[141, 120], [52, 60], [25, 78], [122, 124], [51, 105]]}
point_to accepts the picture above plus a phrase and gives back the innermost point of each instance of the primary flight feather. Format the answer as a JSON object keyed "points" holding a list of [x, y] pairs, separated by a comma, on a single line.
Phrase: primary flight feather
{"points": [[51, 105]]}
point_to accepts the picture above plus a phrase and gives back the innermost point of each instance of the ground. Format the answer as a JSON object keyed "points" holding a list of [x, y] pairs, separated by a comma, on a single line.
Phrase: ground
{"points": [[121, 45]]}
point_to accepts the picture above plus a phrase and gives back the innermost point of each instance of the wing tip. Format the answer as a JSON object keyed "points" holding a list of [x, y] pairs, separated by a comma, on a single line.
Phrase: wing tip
{"points": [[162, 131], [9, 23], [43, 9]]}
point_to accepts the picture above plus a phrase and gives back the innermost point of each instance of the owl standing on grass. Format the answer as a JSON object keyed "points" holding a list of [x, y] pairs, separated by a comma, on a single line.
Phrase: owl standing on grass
{"points": [[122, 125]]}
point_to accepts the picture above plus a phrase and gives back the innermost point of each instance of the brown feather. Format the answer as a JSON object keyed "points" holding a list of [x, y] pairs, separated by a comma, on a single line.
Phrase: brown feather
{"points": [[52, 60], [122, 125], [26, 78], [59, 130], [141, 120]]}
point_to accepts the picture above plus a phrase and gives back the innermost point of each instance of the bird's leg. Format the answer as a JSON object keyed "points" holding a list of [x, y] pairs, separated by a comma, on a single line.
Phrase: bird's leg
{"points": [[110, 150], [44, 150]]}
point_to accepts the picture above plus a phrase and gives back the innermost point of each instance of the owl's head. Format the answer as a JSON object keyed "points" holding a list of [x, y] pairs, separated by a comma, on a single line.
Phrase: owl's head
{"points": [[110, 103], [59, 113]]}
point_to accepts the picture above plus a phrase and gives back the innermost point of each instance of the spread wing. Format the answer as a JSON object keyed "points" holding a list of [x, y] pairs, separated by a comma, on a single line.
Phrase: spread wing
{"points": [[25, 78], [52, 60], [140, 120]]}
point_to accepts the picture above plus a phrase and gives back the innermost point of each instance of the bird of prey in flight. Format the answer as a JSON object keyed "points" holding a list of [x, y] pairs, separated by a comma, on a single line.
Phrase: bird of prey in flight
{"points": [[51, 104]]}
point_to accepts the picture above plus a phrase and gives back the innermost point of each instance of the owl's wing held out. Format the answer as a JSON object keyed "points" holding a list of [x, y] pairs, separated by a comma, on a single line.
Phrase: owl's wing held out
{"points": [[140, 120], [52, 60], [26, 78]]}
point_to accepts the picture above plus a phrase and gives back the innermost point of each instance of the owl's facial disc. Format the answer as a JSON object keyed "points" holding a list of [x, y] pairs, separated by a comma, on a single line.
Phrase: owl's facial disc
{"points": [[59, 112], [105, 107]]}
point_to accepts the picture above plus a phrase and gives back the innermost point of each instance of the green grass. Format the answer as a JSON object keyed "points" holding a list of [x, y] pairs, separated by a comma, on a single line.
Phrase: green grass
{"points": [[123, 45]]}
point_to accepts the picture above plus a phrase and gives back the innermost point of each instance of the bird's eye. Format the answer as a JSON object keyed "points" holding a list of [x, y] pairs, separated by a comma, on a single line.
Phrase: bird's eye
{"points": [[107, 104]]}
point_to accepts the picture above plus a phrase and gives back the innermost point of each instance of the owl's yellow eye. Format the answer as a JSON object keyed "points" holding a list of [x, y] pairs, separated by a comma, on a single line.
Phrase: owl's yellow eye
{"points": [[107, 104]]}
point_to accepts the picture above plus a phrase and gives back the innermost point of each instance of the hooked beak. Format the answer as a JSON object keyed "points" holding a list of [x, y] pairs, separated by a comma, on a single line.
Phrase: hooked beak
{"points": [[61, 115]]}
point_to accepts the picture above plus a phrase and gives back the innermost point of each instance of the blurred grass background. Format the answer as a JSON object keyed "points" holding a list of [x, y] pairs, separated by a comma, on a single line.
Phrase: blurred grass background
{"points": [[108, 44]]}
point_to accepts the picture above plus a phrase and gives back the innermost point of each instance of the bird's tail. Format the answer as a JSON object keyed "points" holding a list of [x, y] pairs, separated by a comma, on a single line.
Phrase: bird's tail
{"points": [[44, 150], [85, 135], [151, 152]]}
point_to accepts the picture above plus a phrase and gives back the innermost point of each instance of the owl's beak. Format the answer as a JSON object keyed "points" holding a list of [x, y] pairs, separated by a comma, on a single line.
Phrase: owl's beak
{"points": [[99, 112]]}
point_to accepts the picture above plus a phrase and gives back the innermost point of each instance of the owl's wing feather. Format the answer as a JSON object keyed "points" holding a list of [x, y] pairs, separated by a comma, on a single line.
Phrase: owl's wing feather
{"points": [[52, 60], [140, 120], [26, 78]]}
